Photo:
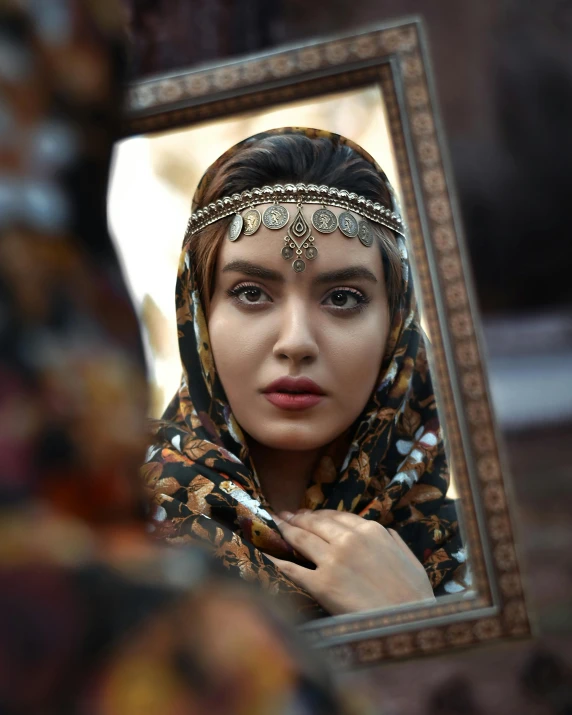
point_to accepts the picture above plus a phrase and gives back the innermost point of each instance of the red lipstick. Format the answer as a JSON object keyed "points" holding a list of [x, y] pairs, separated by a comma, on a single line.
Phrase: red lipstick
{"points": [[293, 393]]}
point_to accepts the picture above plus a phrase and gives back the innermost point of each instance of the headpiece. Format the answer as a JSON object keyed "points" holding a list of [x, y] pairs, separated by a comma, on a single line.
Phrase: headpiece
{"points": [[299, 240]]}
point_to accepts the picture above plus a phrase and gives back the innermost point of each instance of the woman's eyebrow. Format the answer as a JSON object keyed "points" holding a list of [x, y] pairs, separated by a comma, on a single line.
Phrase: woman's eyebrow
{"points": [[252, 269], [346, 274]]}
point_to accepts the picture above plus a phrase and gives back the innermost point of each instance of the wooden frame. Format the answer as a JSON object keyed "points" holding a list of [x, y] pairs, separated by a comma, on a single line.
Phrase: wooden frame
{"points": [[395, 57]]}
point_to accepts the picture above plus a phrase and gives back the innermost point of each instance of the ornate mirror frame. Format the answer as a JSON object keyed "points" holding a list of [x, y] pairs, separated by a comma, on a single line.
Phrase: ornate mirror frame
{"points": [[393, 56]]}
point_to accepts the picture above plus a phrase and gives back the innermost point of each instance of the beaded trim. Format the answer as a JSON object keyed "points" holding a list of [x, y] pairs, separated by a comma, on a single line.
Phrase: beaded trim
{"points": [[294, 194]]}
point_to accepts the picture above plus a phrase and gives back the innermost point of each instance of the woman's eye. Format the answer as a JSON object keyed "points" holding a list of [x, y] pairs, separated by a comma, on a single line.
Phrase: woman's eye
{"points": [[346, 299], [249, 295], [342, 299]]}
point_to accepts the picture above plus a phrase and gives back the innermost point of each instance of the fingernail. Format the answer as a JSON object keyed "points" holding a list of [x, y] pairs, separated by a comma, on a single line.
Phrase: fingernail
{"points": [[303, 511], [286, 515]]}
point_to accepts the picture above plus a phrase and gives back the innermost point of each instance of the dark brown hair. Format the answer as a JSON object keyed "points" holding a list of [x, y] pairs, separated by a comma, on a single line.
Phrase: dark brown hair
{"points": [[292, 159]]}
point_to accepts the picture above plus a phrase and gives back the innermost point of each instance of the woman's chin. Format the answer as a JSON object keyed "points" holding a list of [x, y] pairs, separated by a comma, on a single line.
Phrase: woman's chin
{"points": [[293, 438]]}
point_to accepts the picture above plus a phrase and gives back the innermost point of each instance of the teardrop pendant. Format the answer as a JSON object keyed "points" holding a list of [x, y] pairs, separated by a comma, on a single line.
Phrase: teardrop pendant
{"points": [[299, 229]]}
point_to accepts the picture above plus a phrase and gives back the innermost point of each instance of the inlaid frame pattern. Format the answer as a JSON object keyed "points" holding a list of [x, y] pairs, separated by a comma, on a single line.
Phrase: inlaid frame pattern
{"points": [[395, 57]]}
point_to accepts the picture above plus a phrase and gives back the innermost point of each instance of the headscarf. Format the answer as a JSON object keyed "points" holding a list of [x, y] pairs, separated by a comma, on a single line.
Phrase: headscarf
{"points": [[203, 480]]}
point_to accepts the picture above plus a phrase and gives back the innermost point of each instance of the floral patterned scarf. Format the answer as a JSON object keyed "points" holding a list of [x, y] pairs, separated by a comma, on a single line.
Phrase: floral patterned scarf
{"points": [[204, 484]]}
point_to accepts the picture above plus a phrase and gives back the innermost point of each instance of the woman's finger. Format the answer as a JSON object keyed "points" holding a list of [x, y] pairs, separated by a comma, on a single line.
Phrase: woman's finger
{"points": [[310, 545], [328, 524], [331, 525], [319, 523], [342, 517], [295, 572]]}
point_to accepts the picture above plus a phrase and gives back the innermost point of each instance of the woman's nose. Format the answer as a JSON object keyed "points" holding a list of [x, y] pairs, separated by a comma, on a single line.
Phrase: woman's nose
{"points": [[296, 339]]}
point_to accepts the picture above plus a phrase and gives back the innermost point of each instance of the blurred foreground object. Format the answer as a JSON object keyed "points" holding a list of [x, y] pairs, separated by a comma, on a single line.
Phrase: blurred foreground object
{"points": [[94, 617]]}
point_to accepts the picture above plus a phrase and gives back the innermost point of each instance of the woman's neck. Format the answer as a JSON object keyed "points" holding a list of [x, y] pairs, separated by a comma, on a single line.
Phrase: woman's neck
{"points": [[284, 475]]}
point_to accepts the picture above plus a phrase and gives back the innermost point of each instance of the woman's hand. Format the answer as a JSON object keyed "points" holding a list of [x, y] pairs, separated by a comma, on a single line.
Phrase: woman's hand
{"points": [[360, 565]]}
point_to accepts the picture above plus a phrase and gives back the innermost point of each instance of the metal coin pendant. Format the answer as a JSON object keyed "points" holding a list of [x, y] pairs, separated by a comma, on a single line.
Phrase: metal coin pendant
{"points": [[365, 234], [299, 265], [235, 227], [252, 221], [275, 217], [324, 221], [348, 224], [287, 253], [311, 253]]}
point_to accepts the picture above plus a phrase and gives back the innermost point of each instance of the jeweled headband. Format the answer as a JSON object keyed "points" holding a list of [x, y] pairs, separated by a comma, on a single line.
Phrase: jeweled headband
{"points": [[299, 241]]}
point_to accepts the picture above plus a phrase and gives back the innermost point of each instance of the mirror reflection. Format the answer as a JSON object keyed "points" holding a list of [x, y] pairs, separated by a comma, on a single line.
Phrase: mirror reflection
{"points": [[302, 444]]}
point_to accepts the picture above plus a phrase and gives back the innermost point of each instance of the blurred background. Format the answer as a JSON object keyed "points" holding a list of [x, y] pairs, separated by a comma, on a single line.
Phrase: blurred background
{"points": [[504, 82]]}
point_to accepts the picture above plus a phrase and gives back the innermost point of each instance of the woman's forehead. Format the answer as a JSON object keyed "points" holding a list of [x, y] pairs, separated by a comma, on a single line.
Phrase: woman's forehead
{"points": [[264, 248], [335, 252]]}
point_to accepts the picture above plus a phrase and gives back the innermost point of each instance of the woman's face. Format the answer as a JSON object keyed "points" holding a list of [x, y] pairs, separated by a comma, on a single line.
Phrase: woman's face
{"points": [[327, 325]]}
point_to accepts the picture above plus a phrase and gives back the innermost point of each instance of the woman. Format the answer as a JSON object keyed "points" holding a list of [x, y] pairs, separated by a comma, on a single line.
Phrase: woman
{"points": [[317, 429]]}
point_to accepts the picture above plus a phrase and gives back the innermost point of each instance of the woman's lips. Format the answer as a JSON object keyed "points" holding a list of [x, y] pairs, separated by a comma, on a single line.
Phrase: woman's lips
{"points": [[293, 393], [293, 401]]}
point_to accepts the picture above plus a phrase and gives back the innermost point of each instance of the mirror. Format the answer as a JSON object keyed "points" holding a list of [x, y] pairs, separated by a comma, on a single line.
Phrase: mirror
{"points": [[374, 89]]}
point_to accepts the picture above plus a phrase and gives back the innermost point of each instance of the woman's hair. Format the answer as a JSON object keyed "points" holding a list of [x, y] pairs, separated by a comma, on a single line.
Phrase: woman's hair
{"points": [[293, 159]]}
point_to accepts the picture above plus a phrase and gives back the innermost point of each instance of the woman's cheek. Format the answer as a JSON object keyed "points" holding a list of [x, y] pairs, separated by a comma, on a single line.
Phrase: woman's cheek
{"points": [[362, 348], [218, 329], [358, 361], [236, 351]]}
